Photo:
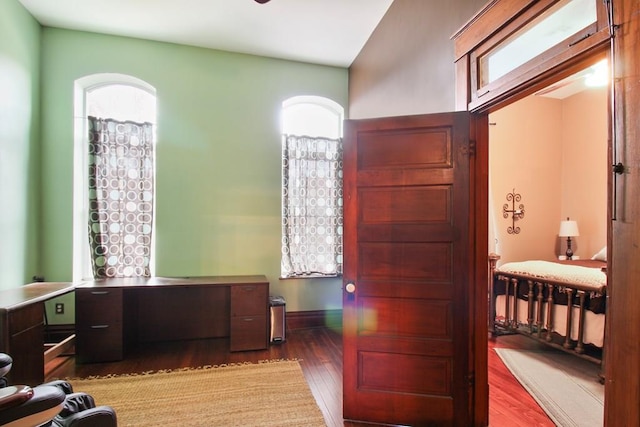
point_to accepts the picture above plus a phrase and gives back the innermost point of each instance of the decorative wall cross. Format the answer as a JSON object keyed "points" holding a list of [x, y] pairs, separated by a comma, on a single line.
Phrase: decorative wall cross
{"points": [[516, 214]]}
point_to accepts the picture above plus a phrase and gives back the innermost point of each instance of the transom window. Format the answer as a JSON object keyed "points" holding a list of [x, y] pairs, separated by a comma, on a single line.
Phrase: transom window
{"points": [[559, 23]]}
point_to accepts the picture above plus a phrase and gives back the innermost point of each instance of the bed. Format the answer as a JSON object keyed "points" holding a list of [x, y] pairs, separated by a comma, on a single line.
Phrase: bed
{"points": [[544, 290]]}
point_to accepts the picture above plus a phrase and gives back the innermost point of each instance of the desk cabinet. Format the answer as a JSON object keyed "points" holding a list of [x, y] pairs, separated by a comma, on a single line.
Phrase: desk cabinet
{"points": [[114, 313], [22, 328], [23, 335], [99, 333], [249, 308]]}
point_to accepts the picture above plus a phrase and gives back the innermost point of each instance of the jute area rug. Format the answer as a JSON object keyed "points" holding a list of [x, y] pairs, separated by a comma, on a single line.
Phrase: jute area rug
{"points": [[272, 393], [565, 386]]}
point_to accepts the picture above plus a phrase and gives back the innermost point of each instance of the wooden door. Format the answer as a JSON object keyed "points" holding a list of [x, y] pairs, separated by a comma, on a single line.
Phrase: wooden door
{"points": [[408, 271]]}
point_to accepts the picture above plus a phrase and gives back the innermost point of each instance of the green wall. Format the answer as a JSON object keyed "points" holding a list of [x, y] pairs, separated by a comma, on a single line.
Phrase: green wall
{"points": [[218, 154], [19, 145]]}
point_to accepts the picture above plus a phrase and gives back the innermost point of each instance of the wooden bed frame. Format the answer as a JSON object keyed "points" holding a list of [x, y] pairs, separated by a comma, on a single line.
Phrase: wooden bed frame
{"points": [[543, 297]]}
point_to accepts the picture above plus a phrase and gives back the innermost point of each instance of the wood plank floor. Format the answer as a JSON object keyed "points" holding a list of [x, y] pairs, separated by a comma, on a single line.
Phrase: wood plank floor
{"points": [[320, 352]]}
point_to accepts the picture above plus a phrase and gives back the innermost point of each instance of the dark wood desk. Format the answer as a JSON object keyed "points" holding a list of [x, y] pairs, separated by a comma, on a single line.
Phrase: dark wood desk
{"points": [[115, 314], [22, 328]]}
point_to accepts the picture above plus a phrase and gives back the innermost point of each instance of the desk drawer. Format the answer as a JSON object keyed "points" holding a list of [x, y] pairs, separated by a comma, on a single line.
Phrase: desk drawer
{"points": [[248, 333], [98, 306], [249, 300], [99, 343]]}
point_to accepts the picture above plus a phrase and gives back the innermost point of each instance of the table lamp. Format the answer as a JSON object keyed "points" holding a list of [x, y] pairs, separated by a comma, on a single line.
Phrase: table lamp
{"points": [[568, 229]]}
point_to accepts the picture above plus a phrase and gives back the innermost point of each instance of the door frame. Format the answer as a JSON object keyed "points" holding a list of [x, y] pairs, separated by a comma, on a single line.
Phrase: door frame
{"points": [[488, 28], [480, 202]]}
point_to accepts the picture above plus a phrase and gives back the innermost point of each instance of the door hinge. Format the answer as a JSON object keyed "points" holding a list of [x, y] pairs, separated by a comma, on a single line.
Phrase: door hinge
{"points": [[469, 150], [471, 380]]}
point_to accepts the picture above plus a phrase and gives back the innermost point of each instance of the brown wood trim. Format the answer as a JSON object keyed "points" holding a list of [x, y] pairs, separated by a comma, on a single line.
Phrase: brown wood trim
{"points": [[478, 246], [494, 16], [496, 22], [534, 75], [622, 345], [314, 319], [463, 88]]}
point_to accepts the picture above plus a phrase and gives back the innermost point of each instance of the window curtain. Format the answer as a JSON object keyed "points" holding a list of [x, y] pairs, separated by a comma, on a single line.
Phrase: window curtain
{"points": [[312, 206], [121, 190]]}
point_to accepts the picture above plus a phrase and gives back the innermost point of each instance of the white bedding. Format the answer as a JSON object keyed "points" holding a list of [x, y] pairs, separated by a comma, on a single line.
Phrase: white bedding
{"points": [[592, 277]]}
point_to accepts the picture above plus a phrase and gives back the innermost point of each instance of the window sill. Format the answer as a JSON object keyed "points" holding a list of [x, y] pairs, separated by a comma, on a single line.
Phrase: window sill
{"points": [[311, 276]]}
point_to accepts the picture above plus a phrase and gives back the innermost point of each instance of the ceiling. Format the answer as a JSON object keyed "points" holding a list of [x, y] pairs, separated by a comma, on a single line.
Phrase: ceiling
{"points": [[594, 76], [329, 32]]}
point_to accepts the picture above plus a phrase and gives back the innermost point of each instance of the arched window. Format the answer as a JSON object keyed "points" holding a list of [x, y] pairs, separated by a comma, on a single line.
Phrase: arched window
{"points": [[311, 187], [312, 116], [114, 176]]}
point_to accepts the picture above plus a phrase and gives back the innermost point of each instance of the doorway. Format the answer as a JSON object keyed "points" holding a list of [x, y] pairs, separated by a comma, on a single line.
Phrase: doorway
{"points": [[551, 149]]}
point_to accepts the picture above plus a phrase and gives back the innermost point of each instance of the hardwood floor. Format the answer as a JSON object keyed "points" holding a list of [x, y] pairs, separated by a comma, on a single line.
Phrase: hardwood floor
{"points": [[320, 353], [509, 403]]}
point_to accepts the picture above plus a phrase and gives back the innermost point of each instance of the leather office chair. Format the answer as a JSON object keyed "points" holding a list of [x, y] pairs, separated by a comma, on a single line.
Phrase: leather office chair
{"points": [[5, 367], [53, 404]]}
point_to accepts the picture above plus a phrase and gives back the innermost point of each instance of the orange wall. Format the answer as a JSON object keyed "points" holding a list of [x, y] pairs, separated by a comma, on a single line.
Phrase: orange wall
{"points": [[525, 154], [585, 166], [554, 153]]}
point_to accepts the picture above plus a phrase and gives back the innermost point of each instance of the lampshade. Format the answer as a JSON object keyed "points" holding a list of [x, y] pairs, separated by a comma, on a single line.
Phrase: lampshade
{"points": [[568, 229]]}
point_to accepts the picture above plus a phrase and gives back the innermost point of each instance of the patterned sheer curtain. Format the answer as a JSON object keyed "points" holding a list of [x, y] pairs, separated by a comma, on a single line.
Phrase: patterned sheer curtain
{"points": [[312, 206], [121, 182]]}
